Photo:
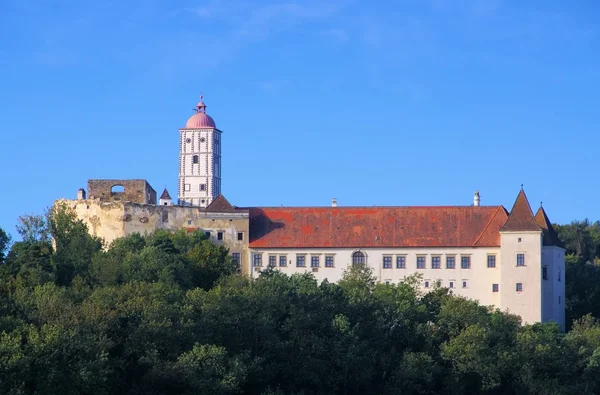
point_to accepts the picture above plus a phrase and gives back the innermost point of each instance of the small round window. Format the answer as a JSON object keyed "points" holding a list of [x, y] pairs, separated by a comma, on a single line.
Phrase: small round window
{"points": [[202, 139], [188, 140]]}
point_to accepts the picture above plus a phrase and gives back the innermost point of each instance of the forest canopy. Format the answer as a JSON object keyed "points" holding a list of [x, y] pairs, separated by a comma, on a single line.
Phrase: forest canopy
{"points": [[167, 313]]}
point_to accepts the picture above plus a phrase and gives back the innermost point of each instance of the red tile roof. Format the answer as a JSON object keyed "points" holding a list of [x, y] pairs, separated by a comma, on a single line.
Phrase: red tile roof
{"points": [[520, 217], [362, 227], [221, 205]]}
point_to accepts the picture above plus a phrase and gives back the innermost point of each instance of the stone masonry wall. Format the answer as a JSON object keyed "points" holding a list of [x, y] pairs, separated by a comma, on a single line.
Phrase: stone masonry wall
{"points": [[137, 191]]}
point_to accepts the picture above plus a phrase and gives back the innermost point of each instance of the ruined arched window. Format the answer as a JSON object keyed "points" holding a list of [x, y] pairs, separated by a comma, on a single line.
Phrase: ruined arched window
{"points": [[358, 258], [117, 189]]}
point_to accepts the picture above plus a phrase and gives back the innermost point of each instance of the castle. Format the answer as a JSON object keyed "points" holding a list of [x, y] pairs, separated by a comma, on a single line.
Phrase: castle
{"points": [[510, 259]]}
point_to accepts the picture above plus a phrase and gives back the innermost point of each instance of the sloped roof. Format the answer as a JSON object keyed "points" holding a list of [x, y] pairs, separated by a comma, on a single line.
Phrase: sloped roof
{"points": [[491, 235], [550, 235], [165, 195], [362, 227], [220, 205], [521, 217]]}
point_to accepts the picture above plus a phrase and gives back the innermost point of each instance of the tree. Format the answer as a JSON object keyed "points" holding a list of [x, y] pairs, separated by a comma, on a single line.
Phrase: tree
{"points": [[74, 245], [4, 243], [33, 228]]}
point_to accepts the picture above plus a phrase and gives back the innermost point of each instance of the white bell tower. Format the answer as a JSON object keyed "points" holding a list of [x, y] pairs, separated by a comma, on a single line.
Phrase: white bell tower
{"points": [[199, 160]]}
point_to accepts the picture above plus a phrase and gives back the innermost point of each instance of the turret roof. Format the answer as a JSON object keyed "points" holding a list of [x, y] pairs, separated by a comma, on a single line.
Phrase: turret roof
{"points": [[521, 217], [165, 195], [550, 235]]}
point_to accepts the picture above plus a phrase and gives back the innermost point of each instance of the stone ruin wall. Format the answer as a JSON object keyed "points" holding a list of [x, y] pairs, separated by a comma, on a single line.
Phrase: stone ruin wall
{"points": [[112, 220], [137, 191]]}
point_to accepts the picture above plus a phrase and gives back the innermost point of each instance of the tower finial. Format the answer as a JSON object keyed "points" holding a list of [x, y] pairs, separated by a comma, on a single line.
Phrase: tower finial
{"points": [[200, 107], [541, 204], [521, 186]]}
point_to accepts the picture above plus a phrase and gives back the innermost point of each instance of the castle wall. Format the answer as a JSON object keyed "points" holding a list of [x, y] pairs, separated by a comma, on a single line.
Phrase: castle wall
{"points": [[138, 191], [112, 220], [526, 302], [478, 279]]}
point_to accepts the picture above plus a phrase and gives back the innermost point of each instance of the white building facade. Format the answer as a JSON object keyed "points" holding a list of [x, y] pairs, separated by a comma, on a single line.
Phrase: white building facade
{"points": [[510, 260], [199, 160]]}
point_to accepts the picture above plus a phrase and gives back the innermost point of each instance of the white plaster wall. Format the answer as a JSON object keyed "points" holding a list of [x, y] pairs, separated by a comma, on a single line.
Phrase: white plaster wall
{"points": [[528, 303], [205, 171], [479, 277], [555, 302], [548, 291]]}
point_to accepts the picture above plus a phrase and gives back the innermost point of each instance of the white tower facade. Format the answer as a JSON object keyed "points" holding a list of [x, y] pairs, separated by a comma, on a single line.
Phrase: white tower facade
{"points": [[199, 160]]}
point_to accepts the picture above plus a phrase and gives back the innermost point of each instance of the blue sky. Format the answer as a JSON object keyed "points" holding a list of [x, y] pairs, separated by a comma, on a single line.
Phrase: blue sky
{"points": [[375, 103]]}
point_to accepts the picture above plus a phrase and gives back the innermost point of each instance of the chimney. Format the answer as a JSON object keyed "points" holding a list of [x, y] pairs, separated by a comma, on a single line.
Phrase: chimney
{"points": [[334, 202], [476, 199]]}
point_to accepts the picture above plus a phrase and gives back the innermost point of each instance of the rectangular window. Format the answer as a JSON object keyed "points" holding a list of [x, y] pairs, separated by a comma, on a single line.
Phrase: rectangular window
{"points": [[235, 258], [435, 262], [519, 287], [558, 274], [465, 262], [329, 261], [257, 260], [387, 262], [420, 262], [207, 234], [219, 235], [438, 283], [187, 187], [203, 187], [388, 282], [240, 236], [450, 262], [272, 260], [314, 261], [400, 262], [465, 283], [451, 284], [195, 159], [300, 261], [491, 261], [494, 287], [520, 259], [545, 273], [426, 283], [282, 260]]}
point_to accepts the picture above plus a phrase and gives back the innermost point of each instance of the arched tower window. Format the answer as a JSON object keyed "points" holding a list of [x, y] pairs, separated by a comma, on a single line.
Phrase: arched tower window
{"points": [[358, 258]]}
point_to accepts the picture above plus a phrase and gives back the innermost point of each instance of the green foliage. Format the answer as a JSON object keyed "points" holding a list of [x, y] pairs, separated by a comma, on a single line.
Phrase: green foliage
{"points": [[166, 313], [582, 242], [4, 243], [33, 228], [581, 238]]}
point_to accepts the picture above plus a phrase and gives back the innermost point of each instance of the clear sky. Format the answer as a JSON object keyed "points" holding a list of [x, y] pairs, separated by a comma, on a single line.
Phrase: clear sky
{"points": [[416, 102]]}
